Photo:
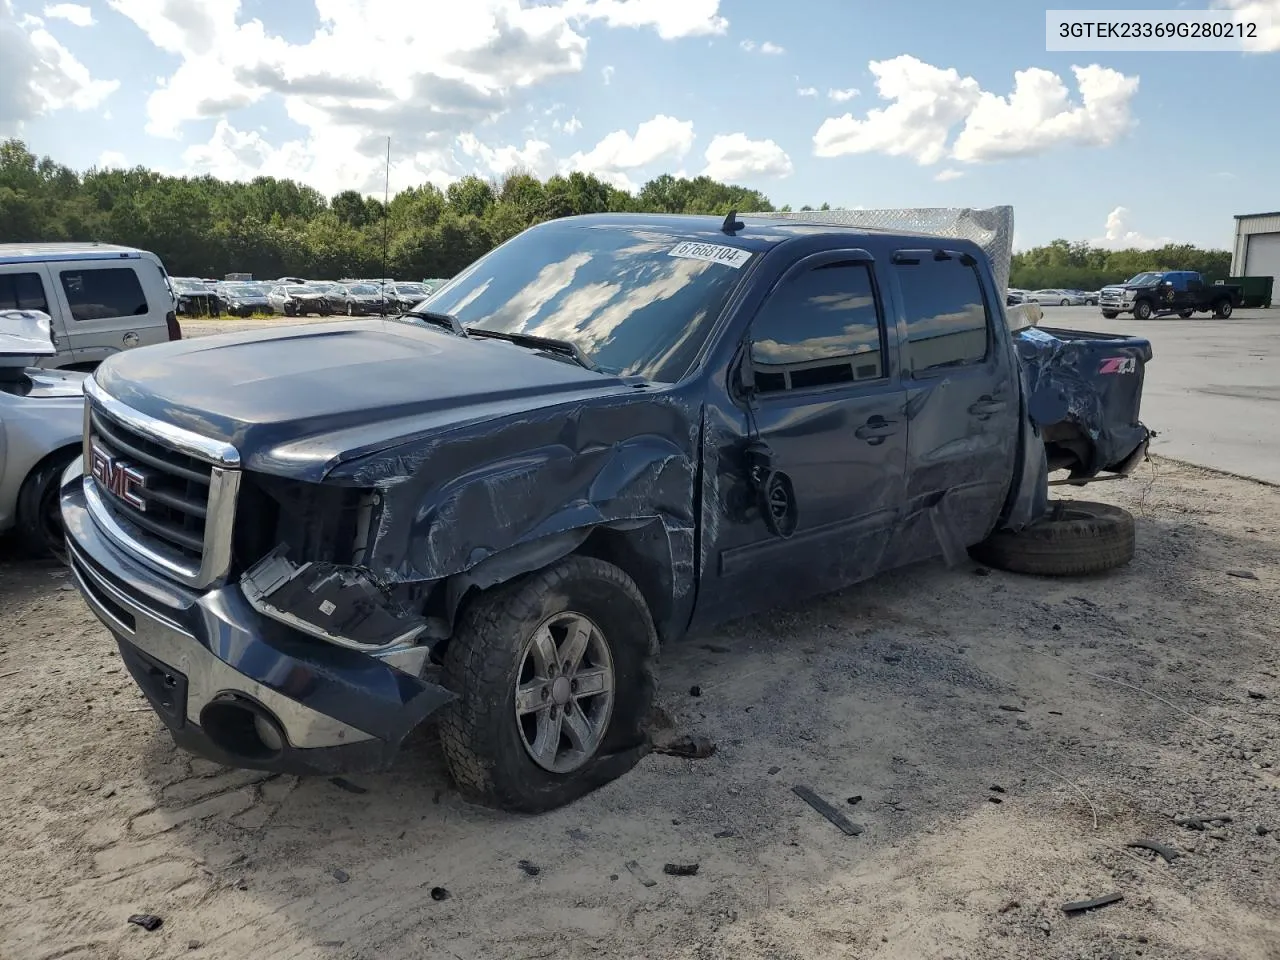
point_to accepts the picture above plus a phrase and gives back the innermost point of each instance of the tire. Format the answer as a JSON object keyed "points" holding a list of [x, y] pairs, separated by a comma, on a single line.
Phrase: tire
{"points": [[1064, 303], [1077, 538], [485, 744], [39, 518], [1110, 314], [1222, 309], [1185, 314], [351, 311], [1142, 310]]}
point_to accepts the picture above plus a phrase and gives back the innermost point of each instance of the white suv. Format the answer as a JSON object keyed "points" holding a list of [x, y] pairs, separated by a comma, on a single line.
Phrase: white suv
{"points": [[101, 298]]}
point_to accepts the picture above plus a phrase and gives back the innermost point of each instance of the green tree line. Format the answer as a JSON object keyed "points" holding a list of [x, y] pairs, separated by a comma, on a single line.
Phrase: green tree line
{"points": [[202, 226], [1079, 266]]}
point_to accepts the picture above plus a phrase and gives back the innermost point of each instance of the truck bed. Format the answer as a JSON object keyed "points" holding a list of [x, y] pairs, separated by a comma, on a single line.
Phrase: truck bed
{"points": [[1084, 395]]}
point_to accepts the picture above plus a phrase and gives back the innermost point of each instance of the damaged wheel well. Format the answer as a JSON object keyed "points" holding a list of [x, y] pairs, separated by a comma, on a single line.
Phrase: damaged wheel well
{"points": [[640, 548]]}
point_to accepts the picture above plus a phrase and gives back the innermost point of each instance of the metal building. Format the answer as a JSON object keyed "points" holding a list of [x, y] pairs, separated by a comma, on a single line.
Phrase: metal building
{"points": [[1257, 249]]}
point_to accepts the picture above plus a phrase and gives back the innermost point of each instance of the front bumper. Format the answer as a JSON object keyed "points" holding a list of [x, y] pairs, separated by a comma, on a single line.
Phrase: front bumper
{"points": [[210, 666]]}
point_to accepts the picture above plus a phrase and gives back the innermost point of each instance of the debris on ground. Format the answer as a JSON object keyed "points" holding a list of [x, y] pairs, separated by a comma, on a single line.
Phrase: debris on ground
{"points": [[147, 921], [194, 944], [1165, 851], [1201, 823], [340, 875], [996, 788], [1009, 708], [827, 810], [854, 800], [1080, 906], [715, 648], [1011, 905], [695, 691], [1242, 574], [439, 893], [347, 785], [773, 770], [531, 869], [680, 869], [994, 800], [726, 834], [686, 745], [1256, 695], [982, 572], [638, 872]]}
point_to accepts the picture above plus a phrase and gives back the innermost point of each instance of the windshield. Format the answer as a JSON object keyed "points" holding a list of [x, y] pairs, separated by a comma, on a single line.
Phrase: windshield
{"points": [[412, 289], [301, 288], [1145, 279], [189, 286], [362, 288], [636, 299], [242, 290]]}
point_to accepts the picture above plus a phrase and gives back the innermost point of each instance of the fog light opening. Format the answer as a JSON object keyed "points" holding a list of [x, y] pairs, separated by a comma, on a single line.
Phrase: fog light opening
{"points": [[242, 728]]}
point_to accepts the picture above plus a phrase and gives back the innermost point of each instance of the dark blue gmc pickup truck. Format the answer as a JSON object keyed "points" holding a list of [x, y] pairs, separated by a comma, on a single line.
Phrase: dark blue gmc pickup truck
{"points": [[609, 431]]}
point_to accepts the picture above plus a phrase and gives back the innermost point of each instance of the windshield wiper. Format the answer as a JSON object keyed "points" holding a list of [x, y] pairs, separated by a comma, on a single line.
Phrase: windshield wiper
{"points": [[563, 348], [446, 320]]}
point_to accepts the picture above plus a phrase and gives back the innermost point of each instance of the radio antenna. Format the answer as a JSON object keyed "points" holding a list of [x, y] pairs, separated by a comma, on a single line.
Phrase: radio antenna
{"points": [[386, 225]]}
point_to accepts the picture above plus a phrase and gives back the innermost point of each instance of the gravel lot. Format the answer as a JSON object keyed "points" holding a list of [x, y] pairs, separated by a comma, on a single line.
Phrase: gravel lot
{"points": [[1102, 709]]}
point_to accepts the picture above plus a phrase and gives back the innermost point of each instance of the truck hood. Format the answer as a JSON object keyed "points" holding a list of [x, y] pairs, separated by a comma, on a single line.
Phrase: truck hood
{"points": [[297, 401]]}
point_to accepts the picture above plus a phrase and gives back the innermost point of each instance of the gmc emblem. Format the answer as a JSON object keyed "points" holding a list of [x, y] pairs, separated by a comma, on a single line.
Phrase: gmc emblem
{"points": [[119, 478]]}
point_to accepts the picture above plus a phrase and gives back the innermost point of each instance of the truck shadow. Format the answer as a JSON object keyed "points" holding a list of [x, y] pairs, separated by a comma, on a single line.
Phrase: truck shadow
{"points": [[967, 710]]}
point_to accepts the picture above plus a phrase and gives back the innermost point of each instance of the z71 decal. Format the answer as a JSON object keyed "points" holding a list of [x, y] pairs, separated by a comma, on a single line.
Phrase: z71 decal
{"points": [[1119, 365]]}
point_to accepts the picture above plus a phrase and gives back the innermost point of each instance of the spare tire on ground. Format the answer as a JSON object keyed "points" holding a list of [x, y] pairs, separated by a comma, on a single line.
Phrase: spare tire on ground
{"points": [[1077, 537]]}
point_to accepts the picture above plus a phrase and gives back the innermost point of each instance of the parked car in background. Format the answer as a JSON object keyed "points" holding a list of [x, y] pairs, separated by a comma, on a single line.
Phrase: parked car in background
{"points": [[41, 431], [287, 280], [401, 295], [101, 298], [1061, 298], [359, 300], [1183, 292], [245, 299], [1090, 297], [299, 300], [1014, 297], [196, 297]]}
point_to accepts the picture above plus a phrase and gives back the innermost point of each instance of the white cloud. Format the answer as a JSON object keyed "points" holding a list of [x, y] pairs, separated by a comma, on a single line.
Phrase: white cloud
{"points": [[944, 175], [840, 96], [733, 157], [927, 103], [38, 75], [1118, 236], [112, 160], [748, 45], [1268, 40], [1039, 115], [768, 47], [570, 126], [535, 156], [73, 13], [806, 91], [662, 138], [606, 74], [672, 19]]}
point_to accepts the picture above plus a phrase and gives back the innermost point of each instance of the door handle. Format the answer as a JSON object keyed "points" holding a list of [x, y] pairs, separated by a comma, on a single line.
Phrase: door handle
{"points": [[876, 430], [986, 406]]}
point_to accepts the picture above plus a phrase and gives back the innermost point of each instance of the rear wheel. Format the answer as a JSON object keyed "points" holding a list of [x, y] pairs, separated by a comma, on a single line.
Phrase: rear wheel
{"points": [[39, 512], [555, 676], [1142, 310], [1078, 537], [1064, 303], [1222, 309]]}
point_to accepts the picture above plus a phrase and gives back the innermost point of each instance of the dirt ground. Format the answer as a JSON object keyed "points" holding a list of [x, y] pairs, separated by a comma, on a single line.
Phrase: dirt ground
{"points": [[1101, 708]]}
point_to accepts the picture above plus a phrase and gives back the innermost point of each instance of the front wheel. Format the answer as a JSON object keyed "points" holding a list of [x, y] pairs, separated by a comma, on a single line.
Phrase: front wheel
{"points": [[555, 675], [1064, 303], [1142, 310], [351, 311], [1222, 309], [39, 512], [1110, 314]]}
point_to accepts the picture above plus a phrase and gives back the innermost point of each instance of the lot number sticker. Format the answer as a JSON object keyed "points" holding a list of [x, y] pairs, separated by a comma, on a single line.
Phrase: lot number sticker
{"points": [[712, 253]]}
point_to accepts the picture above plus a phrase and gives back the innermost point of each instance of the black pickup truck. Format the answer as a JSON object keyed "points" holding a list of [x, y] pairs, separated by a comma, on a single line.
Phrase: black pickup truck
{"points": [[609, 431], [1183, 292]]}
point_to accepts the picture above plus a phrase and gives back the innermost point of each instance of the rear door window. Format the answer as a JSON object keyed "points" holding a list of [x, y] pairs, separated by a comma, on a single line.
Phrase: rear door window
{"points": [[947, 317], [23, 291], [101, 294]]}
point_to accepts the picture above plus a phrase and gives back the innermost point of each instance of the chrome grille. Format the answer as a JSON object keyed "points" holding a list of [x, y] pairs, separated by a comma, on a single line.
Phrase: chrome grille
{"points": [[164, 494]]}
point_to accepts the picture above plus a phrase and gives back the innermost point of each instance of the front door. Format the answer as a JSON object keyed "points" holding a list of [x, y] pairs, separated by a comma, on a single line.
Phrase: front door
{"points": [[826, 411], [26, 287]]}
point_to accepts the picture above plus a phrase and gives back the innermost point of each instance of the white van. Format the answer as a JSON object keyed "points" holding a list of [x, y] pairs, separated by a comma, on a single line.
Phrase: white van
{"points": [[102, 298]]}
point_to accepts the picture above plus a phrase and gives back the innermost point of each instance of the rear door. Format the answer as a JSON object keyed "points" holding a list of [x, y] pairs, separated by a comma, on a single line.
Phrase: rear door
{"points": [[963, 401], [29, 286], [107, 308], [828, 408]]}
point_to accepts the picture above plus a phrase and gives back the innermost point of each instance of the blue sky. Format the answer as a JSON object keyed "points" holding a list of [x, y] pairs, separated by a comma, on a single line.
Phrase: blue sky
{"points": [[1158, 146]]}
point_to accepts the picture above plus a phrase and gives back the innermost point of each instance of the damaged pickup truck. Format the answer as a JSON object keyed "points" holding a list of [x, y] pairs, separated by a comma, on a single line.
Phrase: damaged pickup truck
{"points": [[607, 432]]}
